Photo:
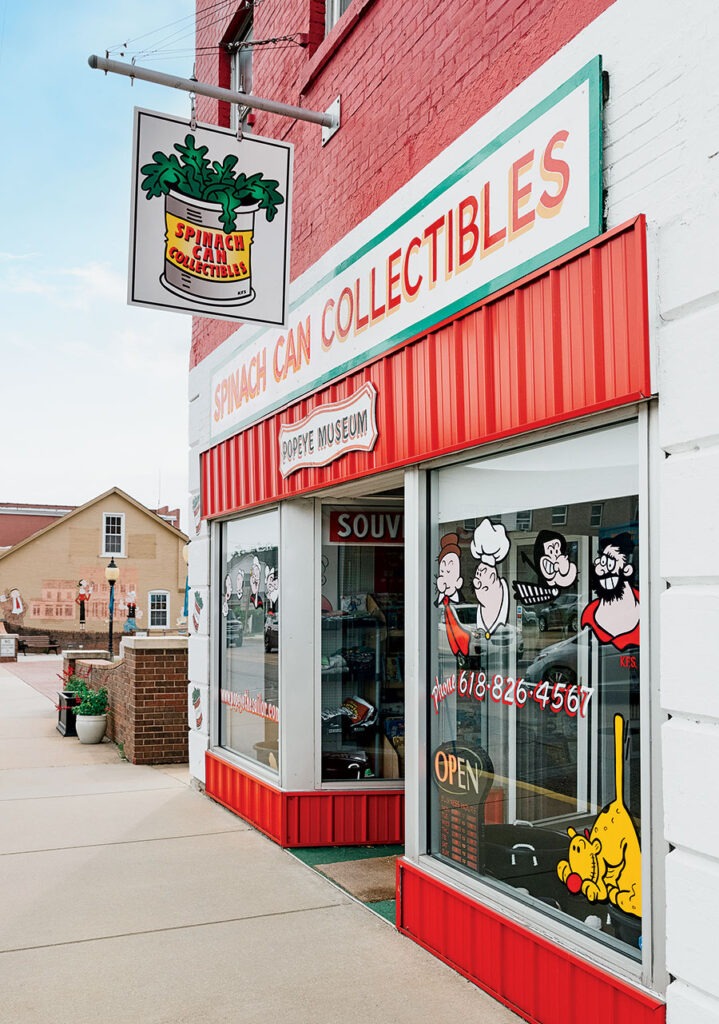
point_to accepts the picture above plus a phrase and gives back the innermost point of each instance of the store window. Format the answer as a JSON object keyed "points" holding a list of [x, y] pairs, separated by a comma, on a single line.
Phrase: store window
{"points": [[250, 638], [533, 695], [362, 643]]}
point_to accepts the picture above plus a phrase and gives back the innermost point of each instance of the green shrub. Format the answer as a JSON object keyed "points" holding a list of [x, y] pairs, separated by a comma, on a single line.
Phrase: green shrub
{"points": [[92, 702]]}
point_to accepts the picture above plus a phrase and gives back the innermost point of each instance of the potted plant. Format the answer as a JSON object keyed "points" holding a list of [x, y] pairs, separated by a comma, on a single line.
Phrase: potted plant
{"points": [[68, 698], [91, 715]]}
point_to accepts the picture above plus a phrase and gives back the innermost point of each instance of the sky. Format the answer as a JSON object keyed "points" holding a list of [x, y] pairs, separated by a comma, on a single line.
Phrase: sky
{"points": [[93, 392]]}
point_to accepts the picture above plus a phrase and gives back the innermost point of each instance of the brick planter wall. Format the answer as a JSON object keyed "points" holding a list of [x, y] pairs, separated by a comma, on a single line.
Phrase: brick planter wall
{"points": [[148, 697]]}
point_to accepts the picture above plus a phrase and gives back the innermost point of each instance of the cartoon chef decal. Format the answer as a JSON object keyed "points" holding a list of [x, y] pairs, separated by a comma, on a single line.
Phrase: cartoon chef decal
{"points": [[553, 567], [490, 545], [614, 616], [448, 583]]}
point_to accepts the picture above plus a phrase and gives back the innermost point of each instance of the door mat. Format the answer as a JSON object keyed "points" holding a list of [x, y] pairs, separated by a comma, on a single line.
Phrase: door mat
{"points": [[365, 872]]}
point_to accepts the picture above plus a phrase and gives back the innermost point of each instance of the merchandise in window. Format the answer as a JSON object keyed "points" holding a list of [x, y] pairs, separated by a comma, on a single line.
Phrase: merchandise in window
{"points": [[250, 638], [534, 722], [362, 643]]}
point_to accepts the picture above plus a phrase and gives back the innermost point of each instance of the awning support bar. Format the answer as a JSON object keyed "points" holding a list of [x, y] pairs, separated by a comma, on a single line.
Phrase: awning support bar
{"points": [[328, 120]]}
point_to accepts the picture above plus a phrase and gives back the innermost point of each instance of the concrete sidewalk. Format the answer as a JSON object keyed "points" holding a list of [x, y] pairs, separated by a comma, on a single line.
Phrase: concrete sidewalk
{"points": [[127, 896]]}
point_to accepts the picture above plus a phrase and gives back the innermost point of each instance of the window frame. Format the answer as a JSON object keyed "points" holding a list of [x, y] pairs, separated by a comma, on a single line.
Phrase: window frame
{"points": [[158, 593], [239, 115], [105, 552], [649, 969]]}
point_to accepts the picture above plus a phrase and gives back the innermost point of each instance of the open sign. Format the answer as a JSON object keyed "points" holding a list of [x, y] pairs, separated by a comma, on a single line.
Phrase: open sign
{"points": [[464, 774]]}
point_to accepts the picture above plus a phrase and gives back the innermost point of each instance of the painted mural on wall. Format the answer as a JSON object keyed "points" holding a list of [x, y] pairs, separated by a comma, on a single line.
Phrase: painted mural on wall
{"points": [[76, 602], [605, 864], [12, 606]]}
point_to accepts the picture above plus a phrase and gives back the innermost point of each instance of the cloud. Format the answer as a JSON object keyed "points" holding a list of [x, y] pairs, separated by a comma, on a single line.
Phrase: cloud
{"points": [[71, 288]]}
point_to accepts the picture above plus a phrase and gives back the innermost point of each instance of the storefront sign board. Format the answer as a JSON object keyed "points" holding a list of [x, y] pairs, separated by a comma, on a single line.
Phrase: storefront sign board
{"points": [[366, 526], [329, 432], [209, 229], [511, 203]]}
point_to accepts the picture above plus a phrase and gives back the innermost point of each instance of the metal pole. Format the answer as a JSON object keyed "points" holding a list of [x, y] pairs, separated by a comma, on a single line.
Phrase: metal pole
{"points": [[112, 603], [327, 120]]}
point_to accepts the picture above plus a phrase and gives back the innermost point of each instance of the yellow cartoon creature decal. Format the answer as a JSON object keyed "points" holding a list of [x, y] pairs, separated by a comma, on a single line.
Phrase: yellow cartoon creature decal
{"points": [[606, 863]]}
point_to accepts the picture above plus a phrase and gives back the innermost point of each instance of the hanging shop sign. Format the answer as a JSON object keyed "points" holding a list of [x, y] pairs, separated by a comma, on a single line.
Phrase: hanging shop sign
{"points": [[329, 432], [366, 526], [210, 221], [513, 193]]}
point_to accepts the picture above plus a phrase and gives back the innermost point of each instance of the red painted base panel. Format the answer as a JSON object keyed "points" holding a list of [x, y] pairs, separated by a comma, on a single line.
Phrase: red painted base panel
{"points": [[325, 818], [534, 978]]}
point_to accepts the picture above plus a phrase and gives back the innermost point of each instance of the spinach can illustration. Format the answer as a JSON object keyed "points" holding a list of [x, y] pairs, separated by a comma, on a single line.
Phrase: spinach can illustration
{"points": [[210, 211]]}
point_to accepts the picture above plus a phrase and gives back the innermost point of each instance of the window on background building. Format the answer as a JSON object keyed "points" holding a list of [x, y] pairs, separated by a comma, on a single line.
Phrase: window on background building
{"points": [[533, 689], [559, 515], [334, 9], [524, 520], [159, 609], [241, 70], [113, 530], [250, 637], [595, 515], [362, 667]]}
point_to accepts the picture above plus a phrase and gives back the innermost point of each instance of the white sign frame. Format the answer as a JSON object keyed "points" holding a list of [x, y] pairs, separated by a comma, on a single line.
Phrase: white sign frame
{"points": [[329, 432], [181, 257], [391, 279]]}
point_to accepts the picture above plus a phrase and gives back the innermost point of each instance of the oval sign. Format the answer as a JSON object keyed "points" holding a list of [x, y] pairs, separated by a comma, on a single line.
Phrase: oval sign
{"points": [[462, 773]]}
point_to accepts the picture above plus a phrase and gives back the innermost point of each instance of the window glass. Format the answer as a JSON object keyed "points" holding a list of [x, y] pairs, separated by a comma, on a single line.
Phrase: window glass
{"points": [[159, 608], [362, 643], [113, 534], [241, 70], [334, 9], [534, 731], [249, 638]]}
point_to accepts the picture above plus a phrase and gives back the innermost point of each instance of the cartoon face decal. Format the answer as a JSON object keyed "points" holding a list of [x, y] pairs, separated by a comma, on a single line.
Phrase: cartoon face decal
{"points": [[272, 585], [490, 545], [448, 583], [553, 567], [240, 582], [255, 576], [227, 595], [614, 616]]}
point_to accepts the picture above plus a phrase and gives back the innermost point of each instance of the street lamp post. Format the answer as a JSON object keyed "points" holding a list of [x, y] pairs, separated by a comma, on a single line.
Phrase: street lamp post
{"points": [[112, 574]]}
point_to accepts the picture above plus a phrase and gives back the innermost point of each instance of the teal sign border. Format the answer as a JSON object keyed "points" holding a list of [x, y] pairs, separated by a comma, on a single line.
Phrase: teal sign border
{"points": [[591, 73]]}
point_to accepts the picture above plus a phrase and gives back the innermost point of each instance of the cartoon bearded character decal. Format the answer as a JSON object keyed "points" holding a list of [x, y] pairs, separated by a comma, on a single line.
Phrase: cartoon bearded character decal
{"points": [[490, 545], [552, 566], [227, 595], [614, 616], [448, 585]]}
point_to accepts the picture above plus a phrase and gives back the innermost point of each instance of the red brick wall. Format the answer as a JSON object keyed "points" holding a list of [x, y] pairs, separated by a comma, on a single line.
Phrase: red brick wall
{"points": [[148, 703], [412, 78]]}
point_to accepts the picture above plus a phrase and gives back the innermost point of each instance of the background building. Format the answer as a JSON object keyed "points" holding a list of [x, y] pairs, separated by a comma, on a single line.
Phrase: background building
{"points": [[43, 575], [573, 389]]}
